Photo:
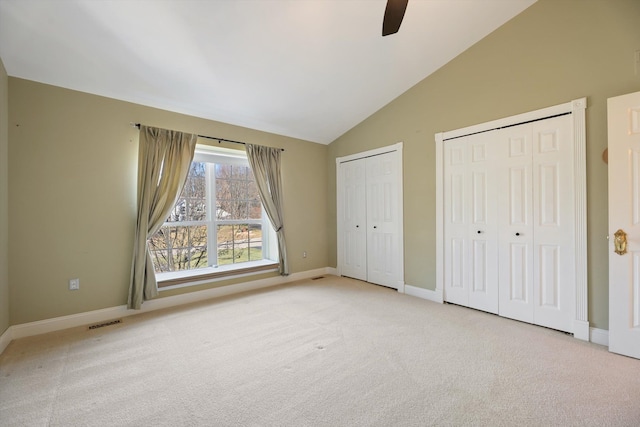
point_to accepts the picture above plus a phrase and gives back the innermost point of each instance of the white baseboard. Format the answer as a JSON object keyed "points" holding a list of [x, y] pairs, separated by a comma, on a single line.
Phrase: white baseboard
{"points": [[427, 294], [599, 336], [95, 316], [331, 270], [5, 339]]}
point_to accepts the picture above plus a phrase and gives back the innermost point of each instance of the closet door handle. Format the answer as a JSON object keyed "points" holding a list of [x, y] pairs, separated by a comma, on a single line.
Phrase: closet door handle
{"points": [[375, 226], [517, 234], [357, 226], [479, 231]]}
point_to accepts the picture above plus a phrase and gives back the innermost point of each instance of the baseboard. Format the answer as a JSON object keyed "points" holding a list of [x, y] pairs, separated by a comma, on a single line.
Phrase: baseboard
{"points": [[95, 316], [427, 294], [331, 270], [599, 336], [5, 339]]}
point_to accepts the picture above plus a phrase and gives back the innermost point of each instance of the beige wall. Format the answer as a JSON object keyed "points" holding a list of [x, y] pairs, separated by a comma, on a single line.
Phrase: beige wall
{"points": [[72, 197], [555, 51], [4, 200]]}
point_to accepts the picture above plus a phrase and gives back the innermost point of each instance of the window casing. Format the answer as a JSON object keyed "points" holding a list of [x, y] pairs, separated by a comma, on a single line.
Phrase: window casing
{"points": [[217, 227]]}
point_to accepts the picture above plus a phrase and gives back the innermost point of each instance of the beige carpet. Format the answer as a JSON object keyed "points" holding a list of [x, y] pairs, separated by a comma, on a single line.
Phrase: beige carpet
{"points": [[330, 352]]}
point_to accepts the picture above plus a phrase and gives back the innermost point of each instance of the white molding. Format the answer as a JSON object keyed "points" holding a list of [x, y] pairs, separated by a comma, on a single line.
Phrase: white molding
{"points": [[5, 339], [581, 330], [427, 294], [580, 205], [599, 336], [89, 317], [440, 215], [401, 287]]}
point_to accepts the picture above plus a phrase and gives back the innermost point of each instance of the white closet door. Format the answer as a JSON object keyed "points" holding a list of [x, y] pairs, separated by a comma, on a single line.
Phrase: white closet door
{"points": [[471, 224], [384, 251], [516, 223], [353, 219], [483, 222], [456, 277], [554, 229]]}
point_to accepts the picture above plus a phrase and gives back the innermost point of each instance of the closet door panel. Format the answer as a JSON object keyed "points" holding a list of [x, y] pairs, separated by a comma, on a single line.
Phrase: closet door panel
{"points": [[383, 237], [354, 222], [456, 211], [483, 223], [554, 210], [516, 223]]}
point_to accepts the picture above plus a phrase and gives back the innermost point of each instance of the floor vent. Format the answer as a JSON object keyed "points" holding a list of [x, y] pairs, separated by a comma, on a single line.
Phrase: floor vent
{"points": [[102, 325], [317, 278]]}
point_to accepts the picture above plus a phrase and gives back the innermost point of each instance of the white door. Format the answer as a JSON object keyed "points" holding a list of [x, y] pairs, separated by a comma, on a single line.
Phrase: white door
{"points": [[537, 231], [624, 214], [483, 222], [471, 244], [383, 200], [456, 277], [554, 274], [515, 213], [353, 220]]}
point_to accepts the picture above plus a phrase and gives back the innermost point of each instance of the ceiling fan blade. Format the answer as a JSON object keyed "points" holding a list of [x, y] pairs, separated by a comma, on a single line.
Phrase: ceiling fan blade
{"points": [[393, 14]]}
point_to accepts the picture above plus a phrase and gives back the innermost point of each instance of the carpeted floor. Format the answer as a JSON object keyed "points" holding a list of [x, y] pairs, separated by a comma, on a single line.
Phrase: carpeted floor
{"points": [[329, 352]]}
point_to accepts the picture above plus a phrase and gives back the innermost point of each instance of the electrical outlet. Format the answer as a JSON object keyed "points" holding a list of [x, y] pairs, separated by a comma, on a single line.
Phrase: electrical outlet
{"points": [[636, 57], [304, 254], [74, 284]]}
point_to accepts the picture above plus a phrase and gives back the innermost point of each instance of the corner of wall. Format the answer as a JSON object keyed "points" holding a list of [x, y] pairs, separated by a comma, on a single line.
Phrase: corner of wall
{"points": [[4, 200]]}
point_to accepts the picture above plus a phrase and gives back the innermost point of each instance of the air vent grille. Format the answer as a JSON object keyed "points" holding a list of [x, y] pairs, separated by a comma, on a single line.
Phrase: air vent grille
{"points": [[103, 324]]}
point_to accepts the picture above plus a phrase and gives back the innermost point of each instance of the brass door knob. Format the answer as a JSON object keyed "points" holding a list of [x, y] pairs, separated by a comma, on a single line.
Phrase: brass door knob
{"points": [[620, 242]]}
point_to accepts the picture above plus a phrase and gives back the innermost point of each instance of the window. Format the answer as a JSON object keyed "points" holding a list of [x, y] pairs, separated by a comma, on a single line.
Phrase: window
{"points": [[218, 224]]}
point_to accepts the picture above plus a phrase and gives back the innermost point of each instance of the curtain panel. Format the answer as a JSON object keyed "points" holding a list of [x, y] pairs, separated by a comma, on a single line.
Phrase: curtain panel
{"points": [[164, 159], [265, 164]]}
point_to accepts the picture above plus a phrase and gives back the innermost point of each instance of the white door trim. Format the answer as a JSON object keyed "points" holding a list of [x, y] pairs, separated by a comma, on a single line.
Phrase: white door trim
{"points": [[577, 109]]}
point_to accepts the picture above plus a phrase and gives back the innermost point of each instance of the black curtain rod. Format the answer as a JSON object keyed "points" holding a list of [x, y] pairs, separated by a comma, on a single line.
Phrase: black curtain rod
{"points": [[209, 137]]}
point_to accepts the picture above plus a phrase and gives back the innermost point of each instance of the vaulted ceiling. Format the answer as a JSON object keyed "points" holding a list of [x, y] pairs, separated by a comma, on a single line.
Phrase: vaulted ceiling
{"points": [[309, 69]]}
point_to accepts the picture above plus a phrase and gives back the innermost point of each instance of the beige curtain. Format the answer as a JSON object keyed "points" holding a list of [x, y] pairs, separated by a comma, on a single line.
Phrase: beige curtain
{"points": [[164, 159], [265, 163]]}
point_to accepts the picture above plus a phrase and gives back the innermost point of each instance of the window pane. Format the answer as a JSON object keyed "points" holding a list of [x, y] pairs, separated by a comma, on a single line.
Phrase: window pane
{"points": [[225, 244], [255, 210], [175, 248], [197, 210], [223, 191], [238, 190], [255, 242], [240, 172], [223, 171], [239, 243], [179, 212]]}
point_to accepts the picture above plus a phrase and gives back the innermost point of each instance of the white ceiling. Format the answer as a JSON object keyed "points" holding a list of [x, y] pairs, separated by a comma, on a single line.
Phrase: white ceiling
{"points": [[309, 69]]}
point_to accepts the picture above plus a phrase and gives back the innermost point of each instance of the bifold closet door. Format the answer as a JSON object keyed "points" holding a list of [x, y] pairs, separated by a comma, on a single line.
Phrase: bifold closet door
{"points": [[354, 219], [370, 219], [383, 200], [470, 210], [536, 211]]}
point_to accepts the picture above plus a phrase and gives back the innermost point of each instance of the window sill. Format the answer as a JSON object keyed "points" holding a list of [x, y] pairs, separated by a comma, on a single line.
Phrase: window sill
{"points": [[179, 279]]}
